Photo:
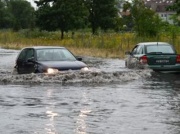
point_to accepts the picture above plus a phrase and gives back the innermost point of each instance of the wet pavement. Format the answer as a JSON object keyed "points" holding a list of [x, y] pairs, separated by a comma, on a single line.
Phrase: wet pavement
{"points": [[109, 99]]}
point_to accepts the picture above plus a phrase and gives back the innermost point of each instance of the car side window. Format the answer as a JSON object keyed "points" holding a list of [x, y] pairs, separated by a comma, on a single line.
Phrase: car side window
{"points": [[140, 50], [26, 54], [29, 54], [134, 51], [22, 55]]}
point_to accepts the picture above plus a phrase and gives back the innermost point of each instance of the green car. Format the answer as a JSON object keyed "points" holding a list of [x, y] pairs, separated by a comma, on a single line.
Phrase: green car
{"points": [[158, 56]]}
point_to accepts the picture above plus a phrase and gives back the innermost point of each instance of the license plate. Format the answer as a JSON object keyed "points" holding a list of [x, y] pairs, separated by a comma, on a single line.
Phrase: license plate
{"points": [[162, 61]]}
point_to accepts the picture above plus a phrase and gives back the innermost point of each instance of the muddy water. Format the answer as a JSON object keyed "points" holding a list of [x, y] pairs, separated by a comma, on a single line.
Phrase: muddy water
{"points": [[109, 99]]}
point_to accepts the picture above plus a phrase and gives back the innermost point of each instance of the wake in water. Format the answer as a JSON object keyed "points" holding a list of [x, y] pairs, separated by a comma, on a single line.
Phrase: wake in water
{"points": [[74, 77], [101, 71]]}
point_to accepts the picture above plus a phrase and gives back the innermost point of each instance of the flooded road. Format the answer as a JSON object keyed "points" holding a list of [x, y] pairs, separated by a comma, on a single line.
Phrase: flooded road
{"points": [[109, 99]]}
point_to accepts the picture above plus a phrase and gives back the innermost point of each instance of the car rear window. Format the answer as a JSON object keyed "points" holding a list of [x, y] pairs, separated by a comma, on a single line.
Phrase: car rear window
{"points": [[159, 49]]}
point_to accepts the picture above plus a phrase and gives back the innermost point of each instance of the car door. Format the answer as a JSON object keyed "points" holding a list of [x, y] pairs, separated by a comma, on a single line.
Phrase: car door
{"points": [[139, 52], [133, 58], [23, 66], [130, 58]]}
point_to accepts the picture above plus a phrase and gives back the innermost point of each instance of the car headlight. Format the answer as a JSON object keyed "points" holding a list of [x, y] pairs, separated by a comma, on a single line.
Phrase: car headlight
{"points": [[52, 71], [85, 69]]}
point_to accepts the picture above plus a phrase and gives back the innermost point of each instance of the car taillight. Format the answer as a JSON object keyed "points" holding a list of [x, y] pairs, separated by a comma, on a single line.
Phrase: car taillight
{"points": [[178, 59], [143, 59]]}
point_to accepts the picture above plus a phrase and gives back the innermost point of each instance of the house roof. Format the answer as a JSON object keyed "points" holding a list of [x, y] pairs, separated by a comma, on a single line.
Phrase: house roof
{"points": [[158, 5]]}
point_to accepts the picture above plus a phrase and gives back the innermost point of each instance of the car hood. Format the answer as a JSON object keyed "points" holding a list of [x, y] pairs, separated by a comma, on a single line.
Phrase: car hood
{"points": [[63, 65]]}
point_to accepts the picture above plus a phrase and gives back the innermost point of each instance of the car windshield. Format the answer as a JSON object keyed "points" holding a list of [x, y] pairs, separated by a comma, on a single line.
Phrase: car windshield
{"points": [[54, 54], [159, 49]]}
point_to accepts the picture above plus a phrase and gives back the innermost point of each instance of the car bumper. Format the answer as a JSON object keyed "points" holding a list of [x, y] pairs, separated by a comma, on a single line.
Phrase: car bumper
{"points": [[171, 68]]}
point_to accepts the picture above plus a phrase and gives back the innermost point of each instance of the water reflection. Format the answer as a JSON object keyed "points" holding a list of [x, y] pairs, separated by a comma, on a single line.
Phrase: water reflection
{"points": [[50, 126], [164, 90], [164, 80], [81, 120]]}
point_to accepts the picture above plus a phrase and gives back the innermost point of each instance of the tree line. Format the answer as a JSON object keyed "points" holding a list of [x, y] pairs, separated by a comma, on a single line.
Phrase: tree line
{"points": [[71, 15]]}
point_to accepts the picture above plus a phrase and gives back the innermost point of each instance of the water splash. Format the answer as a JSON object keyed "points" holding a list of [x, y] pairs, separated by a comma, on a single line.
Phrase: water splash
{"points": [[102, 70], [74, 77]]}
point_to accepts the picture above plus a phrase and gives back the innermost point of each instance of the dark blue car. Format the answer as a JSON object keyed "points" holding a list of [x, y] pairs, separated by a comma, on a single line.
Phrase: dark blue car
{"points": [[47, 59]]}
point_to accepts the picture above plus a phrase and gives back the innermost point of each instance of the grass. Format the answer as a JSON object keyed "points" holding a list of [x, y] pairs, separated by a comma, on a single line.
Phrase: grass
{"points": [[111, 45]]}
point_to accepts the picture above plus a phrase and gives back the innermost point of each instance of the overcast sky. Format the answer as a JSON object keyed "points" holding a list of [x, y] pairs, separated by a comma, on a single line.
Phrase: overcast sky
{"points": [[32, 3]]}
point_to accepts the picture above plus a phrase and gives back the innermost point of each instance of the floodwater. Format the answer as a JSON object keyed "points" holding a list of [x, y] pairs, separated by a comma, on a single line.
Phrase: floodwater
{"points": [[109, 99]]}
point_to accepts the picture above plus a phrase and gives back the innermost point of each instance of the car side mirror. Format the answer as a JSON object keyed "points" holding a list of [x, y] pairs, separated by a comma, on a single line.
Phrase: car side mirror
{"points": [[31, 59], [79, 58]]}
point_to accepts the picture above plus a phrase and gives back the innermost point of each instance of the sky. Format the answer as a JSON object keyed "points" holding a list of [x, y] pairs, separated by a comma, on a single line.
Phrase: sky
{"points": [[32, 3]]}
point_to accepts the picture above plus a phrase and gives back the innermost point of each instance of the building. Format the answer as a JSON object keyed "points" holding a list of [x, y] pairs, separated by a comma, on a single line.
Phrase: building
{"points": [[160, 7]]}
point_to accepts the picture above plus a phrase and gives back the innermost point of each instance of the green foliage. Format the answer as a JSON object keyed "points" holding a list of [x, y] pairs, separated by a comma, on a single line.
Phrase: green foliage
{"points": [[45, 18], [102, 14], [171, 31], [146, 22], [62, 15], [176, 19], [16, 14], [23, 14], [176, 6], [5, 16], [72, 15], [119, 24]]}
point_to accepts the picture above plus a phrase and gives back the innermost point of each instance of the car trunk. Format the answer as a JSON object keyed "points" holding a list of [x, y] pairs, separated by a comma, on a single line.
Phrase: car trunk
{"points": [[168, 59]]}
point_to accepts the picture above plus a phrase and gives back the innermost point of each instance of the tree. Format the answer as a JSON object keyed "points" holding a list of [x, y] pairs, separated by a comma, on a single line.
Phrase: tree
{"points": [[22, 14], [64, 15], [109, 14], [127, 19], [146, 22], [176, 6], [102, 14], [5, 16]]}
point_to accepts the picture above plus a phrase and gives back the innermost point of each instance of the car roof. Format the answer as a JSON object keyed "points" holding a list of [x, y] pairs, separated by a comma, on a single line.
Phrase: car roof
{"points": [[43, 47], [153, 43]]}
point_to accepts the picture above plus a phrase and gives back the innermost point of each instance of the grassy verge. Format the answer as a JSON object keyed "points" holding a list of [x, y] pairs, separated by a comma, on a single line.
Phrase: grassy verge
{"points": [[112, 45]]}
